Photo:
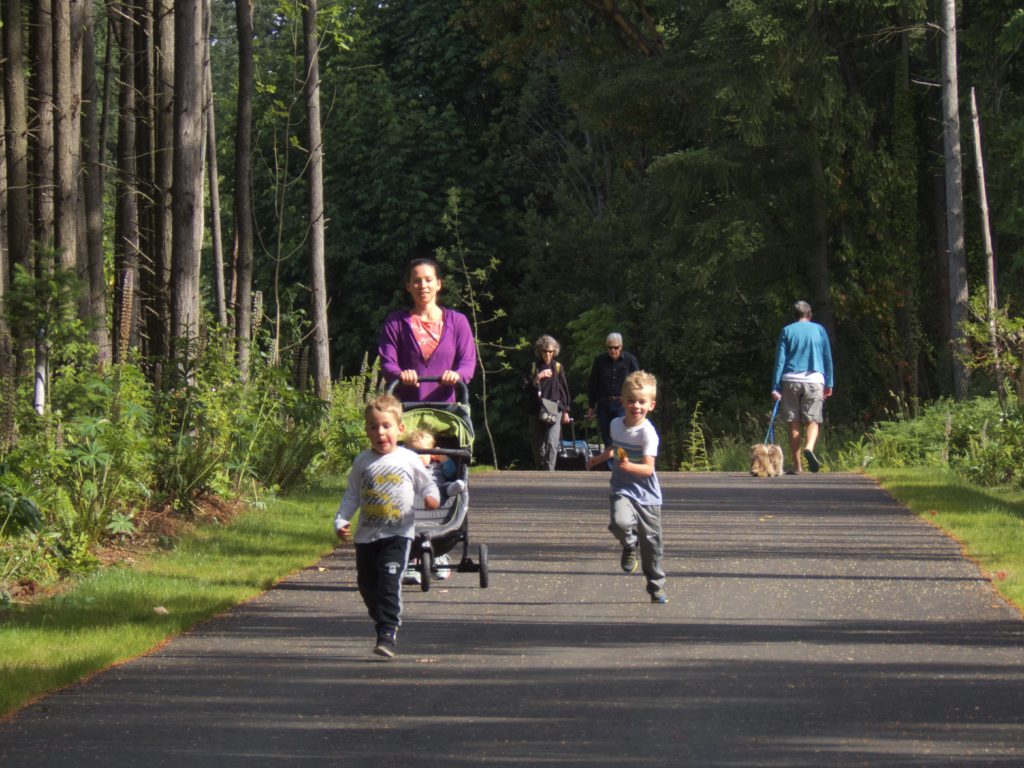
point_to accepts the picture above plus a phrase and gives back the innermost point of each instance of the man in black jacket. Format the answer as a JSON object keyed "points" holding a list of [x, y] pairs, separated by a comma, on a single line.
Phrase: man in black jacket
{"points": [[607, 374]]}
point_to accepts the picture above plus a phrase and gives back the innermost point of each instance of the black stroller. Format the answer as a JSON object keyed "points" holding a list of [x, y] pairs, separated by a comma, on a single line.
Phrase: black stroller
{"points": [[439, 530]]}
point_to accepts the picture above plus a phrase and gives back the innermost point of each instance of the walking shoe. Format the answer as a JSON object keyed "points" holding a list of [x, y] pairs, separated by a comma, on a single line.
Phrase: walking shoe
{"points": [[444, 566], [411, 575], [812, 461], [385, 644], [659, 596], [628, 561]]}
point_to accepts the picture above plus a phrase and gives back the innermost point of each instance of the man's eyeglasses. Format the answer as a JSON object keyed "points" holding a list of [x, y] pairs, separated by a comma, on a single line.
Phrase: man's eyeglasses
{"points": [[614, 348], [547, 351]]}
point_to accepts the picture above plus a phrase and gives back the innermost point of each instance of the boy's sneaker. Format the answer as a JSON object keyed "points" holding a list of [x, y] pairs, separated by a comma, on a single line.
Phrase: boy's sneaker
{"points": [[385, 644], [659, 596], [812, 461], [628, 561], [455, 487], [444, 566], [411, 575]]}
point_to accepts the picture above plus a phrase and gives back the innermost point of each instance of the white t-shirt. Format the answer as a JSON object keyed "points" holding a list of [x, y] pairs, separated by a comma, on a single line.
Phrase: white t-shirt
{"points": [[637, 442], [805, 377], [384, 488]]}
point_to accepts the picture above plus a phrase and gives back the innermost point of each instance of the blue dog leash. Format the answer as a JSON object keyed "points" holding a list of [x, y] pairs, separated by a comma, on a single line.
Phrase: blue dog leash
{"points": [[770, 437]]}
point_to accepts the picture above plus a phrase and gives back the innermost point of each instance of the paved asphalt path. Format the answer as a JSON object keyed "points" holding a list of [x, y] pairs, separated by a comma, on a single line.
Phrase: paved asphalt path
{"points": [[811, 622]]}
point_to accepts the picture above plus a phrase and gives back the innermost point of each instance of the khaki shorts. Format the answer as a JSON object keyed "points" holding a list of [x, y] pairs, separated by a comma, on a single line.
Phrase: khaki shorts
{"points": [[802, 401]]}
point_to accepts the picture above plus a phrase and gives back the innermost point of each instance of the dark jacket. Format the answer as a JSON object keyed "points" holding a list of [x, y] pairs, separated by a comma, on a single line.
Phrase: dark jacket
{"points": [[607, 376], [553, 388]]}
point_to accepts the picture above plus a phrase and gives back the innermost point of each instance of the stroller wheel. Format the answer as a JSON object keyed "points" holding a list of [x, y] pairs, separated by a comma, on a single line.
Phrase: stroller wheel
{"points": [[426, 563], [485, 574]]}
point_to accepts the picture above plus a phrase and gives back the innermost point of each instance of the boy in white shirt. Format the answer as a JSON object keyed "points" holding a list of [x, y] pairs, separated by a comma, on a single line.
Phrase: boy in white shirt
{"points": [[636, 492], [383, 484]]}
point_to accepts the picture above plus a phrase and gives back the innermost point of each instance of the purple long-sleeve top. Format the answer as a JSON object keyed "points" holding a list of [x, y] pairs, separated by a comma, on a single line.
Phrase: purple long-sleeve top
{"points": [[398, 350]]}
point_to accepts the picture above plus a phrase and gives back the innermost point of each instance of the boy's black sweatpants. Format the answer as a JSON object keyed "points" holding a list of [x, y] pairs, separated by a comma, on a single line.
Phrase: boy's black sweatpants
{"points": [[379, 568]]}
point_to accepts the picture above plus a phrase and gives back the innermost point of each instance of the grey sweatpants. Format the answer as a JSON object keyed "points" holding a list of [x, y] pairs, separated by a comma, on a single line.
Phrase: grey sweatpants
{"points": [[639, 526], [544, 442]]}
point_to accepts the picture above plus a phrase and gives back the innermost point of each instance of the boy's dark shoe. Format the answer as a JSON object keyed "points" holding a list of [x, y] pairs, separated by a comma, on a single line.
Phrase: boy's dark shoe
{"points": [[628, 561], [812, 461], [386, 646], [658, 596]]}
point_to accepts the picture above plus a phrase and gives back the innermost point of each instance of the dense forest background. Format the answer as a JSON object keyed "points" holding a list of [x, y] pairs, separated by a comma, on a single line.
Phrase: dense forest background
{"points": [[679, 172]]}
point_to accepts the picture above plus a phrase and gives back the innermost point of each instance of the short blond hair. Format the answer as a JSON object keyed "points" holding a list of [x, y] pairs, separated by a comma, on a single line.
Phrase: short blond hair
{"points": [[639, 380], [384, 404], [421, 438]]}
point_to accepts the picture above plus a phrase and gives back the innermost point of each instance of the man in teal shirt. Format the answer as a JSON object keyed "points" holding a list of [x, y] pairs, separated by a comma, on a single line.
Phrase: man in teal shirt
{"points": [[802, 381]]}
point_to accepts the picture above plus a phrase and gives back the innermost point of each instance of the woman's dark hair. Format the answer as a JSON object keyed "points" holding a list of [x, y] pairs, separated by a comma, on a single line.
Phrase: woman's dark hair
{"points": [[422, 261]]}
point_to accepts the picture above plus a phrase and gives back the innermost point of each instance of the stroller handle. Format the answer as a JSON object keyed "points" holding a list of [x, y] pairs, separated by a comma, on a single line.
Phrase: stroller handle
{"points": [[460, 385]]}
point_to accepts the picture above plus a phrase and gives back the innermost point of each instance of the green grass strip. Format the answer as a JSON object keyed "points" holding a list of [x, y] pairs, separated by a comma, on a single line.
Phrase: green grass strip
{"points": [[988, 523], [109, 615]]}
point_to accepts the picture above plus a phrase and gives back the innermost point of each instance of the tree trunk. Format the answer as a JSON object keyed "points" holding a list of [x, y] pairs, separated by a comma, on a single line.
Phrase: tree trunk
{"points": [[242, 278], [944, 352], [905, 234], [95, 301], [163, 174], [67, 71], [188, 175], [214, 183], [108, 86], [8, 404], [41, 137], [990, 262], [19, 221], [822, 302], [41, 142], [126, 214], [318, 282], [151, 274], [954, 201]]}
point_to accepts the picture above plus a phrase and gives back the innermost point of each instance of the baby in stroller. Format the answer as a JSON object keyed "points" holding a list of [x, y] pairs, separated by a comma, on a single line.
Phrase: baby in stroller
{"points": [[444, 470]]}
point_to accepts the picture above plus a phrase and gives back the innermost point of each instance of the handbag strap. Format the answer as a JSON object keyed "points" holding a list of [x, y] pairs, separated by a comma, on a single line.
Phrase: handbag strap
{"points": [[770, 437]]}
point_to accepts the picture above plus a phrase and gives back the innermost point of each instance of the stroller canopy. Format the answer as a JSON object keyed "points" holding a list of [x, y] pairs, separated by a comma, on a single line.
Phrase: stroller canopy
{"points": [[442, 423]]}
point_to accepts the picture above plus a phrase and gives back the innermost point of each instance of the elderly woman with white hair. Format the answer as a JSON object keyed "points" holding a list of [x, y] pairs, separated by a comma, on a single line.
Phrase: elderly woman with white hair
{"points": [[607, 374], [548, 402]]}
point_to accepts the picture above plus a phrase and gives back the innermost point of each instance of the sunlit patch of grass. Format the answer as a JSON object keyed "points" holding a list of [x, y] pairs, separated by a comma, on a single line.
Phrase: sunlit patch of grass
{"points": [[122, 612], [988, 523]]}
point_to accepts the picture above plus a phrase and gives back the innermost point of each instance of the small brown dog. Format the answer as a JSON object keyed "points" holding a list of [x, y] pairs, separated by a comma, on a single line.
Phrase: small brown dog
{"points": [[765, 460]]}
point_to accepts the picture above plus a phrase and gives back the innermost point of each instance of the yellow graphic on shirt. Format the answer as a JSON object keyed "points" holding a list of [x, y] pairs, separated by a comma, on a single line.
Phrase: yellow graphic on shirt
{"points": [[635, 453], [386, 496]]}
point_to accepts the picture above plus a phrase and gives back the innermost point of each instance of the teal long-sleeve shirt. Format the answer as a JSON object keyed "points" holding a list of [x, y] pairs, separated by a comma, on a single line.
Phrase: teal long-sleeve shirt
{"points": [[803, 346]]}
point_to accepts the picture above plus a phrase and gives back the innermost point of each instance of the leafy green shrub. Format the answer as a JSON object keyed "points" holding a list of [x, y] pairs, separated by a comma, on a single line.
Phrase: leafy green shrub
{"points": [[344, 432], [973, 437], [18, 513], [108, 445], [93, 454], [994, 454]]}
